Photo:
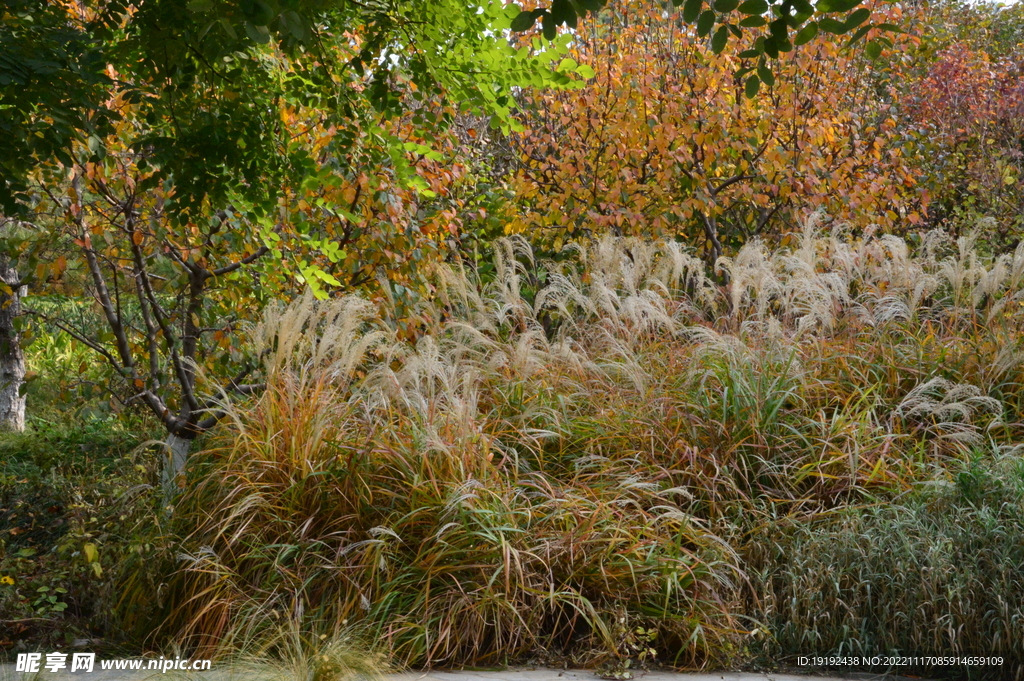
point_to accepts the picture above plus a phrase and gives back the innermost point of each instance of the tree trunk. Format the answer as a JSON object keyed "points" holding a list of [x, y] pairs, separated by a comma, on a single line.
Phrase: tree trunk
{"points": [[12, 361], [176, 448]]}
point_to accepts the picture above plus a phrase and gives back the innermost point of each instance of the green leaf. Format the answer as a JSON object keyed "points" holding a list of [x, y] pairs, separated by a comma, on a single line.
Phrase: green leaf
{"points": [[753, 22], [749, 54], [795, 21], [562, 12], [296, 26], [691, 10], [830, 25], [806, 34], [257, 34], [726, 6], [766, 75], [754, 7], [705, 23], [566, 64], [828, 6], [329, 278], [258, 12], [779, 29], [771, 47], [550, 26], [751, 87], [857, 17], [720, 39], [861, 32], [524, 20], [873, 49]]}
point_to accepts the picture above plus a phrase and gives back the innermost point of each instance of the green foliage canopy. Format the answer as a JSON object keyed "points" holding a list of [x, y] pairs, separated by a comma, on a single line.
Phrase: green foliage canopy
{"points": [[212, 75]]}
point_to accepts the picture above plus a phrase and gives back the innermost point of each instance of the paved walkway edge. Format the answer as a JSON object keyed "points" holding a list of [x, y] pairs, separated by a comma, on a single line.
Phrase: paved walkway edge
{"points": [[8, 673]]}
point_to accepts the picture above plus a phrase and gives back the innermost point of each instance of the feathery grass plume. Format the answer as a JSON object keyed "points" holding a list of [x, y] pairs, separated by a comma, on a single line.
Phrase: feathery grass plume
{"points": [[753, 280], [949, 409], [330, 337], [962, 271], [570, 442], [338, 655], [814, 296], [283, 652]]}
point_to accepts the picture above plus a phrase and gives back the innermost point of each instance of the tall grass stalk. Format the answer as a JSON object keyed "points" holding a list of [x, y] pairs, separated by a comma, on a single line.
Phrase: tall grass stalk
{"points": [[545, 462]]}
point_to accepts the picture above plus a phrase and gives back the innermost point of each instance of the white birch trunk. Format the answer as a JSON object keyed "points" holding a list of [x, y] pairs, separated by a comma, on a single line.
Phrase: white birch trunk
{"points": [[12, 361]]}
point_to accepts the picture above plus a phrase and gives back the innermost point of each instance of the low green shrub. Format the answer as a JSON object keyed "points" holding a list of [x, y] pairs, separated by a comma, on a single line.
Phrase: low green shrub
{"points": [[937, 572], [72, 493]]}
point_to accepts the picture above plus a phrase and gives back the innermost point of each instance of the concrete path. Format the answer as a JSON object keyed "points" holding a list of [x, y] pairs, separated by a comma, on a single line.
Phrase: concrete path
{"points": [[8, 673], [574, 675]]}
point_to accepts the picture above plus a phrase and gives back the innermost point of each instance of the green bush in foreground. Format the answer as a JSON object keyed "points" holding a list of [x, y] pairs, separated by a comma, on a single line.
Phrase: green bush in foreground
{"points": [[938, 572], [71, 492]]}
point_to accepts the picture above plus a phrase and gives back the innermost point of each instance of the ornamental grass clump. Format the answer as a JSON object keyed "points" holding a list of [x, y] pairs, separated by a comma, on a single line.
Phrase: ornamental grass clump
{"points": [[936, 574], [573, 451], [367, 484]]}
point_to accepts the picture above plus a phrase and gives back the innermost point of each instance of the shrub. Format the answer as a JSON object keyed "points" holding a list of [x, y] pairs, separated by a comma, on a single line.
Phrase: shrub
{"points": [[936, 573], [72, 491]]}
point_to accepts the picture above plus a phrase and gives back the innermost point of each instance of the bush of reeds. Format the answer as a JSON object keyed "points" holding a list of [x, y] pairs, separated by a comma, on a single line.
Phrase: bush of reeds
{"points": [[938, 573], [617, 447], [397, 507]]}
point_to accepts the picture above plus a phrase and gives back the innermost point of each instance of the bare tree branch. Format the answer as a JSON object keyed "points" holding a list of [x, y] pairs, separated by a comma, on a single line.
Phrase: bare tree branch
{"points": [[247, 260]]}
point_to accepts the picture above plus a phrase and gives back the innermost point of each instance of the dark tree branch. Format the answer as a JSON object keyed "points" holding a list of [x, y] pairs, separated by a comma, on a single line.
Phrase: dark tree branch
{"points": [[728, 183], [247, 260], [170, 338], [84, 340], [235, 385], [114, 321]]}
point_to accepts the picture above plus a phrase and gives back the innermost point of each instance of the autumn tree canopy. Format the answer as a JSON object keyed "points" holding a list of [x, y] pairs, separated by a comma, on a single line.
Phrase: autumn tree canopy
{"points": [[665, 140], [244, 147]]}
